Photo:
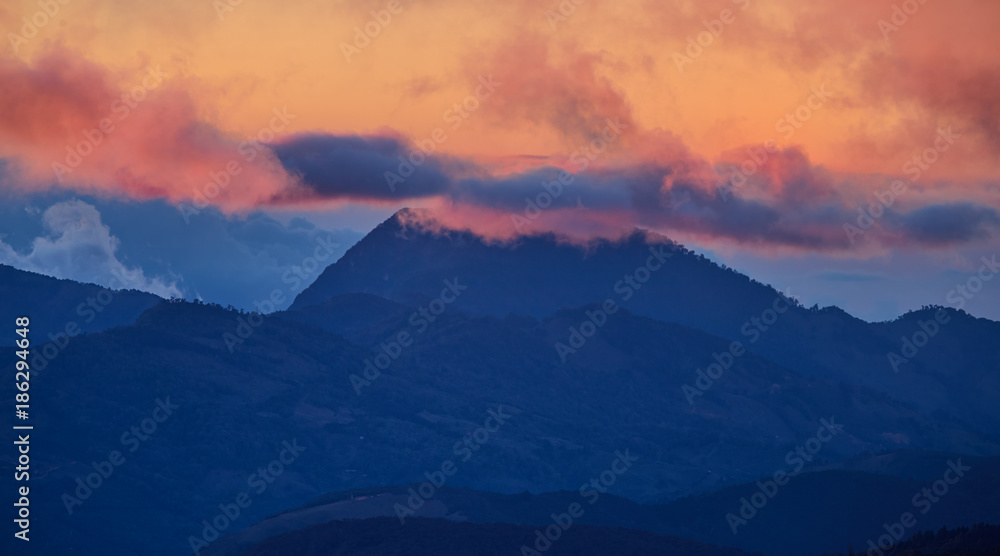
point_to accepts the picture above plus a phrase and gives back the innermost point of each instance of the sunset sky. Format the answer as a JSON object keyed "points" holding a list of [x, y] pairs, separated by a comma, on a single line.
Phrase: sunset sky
{"points": [[750, 130]]}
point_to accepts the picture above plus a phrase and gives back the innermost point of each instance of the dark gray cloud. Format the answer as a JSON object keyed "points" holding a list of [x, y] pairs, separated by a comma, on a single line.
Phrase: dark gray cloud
{"points": [[787, 202], [951, 223], [605, 191], [355, 167]]}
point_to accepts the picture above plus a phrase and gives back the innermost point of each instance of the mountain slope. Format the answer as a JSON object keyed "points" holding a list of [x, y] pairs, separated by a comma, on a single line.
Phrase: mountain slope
{"points": [[957, 375], [285, 381], [438, 537], [814, 512], [56, 306]]}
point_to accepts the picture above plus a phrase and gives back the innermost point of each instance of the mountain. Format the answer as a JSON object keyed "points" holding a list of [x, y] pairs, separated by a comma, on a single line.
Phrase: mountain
{"points": [[981, 539], [60, 307], [858, 505], [438, 537], [352, 313], [242, 386], [420, 350], [954, 375]]}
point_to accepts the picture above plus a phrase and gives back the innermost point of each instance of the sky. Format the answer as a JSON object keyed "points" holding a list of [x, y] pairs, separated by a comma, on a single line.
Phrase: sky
{"points": [[847, 151]]}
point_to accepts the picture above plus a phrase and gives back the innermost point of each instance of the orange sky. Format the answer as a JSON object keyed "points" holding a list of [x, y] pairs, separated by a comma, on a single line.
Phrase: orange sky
{"points": [[564, 68]]}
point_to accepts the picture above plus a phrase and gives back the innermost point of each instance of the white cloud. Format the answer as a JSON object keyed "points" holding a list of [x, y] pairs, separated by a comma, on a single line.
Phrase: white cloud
{"points": [[80, 247]]}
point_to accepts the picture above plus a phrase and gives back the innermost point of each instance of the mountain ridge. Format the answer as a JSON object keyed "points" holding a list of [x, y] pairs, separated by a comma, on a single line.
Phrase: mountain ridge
{"points": [[63, 307], [539, 275]]}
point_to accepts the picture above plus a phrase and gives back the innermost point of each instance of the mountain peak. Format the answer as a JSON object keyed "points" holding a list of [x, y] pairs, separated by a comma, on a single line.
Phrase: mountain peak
{"points": [[408, 257]]}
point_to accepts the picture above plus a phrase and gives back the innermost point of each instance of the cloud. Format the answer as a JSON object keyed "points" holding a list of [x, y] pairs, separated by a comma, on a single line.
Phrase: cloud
{"points": [[226, 259], [951, 223], [354, 167], [561, 88], [76, 125], [644, 177], [786, 202], [605, 190], [922, 65], [80, 247]]}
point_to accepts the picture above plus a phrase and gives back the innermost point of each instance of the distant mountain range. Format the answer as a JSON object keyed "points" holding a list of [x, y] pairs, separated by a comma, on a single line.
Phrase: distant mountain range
{"points": [[384, 536], [439, 536], [858, 503], [401, 355]]}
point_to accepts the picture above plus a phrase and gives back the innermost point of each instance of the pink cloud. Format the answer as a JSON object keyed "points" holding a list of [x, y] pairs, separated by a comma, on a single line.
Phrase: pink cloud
{"points": [[73, 126]]}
